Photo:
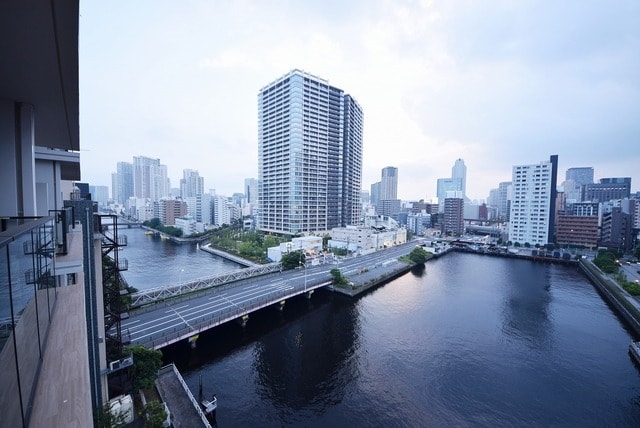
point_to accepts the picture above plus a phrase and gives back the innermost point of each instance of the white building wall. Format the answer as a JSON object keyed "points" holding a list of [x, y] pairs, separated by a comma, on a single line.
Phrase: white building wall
{"points": [[530, 204]]}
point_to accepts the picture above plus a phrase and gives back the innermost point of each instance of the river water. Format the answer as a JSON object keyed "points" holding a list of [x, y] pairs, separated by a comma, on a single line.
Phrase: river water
{"points": [[155, 262], [467, 341]]}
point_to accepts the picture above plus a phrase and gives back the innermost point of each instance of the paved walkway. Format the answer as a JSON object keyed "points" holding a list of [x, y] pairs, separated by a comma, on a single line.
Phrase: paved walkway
{"points": [[184, 412]]}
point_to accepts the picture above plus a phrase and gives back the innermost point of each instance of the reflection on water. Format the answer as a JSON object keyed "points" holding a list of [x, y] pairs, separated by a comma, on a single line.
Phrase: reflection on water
{"points": [[468, 341]]}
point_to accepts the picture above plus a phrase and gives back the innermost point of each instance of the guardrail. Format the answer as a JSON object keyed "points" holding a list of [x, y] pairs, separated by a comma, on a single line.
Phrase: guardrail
{"points": [[205, 322], [172, 367], [156, 294]]}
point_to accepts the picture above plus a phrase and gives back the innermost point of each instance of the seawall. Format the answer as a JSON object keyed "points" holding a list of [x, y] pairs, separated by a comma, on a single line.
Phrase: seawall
{"points": [[624, 303]]}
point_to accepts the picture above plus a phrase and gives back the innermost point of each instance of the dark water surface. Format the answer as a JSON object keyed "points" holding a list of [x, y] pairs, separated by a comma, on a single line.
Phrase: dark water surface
{"points": [[468, 341]]}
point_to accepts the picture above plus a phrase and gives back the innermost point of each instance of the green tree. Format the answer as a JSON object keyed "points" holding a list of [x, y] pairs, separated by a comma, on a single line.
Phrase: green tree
{"points": [[269, 241], [155, 414], [146, 363], [338, 278], [606, 261], [105, 419], [418, 255], [292, 260], [154, 223], [636, 252]]}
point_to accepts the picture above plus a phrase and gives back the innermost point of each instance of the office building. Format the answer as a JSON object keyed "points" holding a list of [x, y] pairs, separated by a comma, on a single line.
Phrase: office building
{"points": [[388, 203], [309, 156], [459, 172], [168, 210], [532, 216], [617, 230], [251, 190], [389, 183], [608, 189], [581, 176]]}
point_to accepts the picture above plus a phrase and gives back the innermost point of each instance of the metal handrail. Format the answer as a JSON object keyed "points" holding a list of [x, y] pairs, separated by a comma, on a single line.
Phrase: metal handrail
{"points": [[187, 390], [205, 322], [151, 295]]}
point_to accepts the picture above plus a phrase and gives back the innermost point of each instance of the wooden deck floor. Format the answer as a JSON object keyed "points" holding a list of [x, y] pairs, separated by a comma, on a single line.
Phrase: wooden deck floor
{"points": [[63, 396]]}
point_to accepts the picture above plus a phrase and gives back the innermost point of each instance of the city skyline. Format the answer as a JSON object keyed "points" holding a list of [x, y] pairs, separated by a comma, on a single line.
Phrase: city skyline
{"points": [[497, 85]]}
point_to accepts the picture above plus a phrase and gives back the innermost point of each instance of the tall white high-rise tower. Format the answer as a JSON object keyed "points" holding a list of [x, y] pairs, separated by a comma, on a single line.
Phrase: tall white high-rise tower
{"points": [[309, 156]]}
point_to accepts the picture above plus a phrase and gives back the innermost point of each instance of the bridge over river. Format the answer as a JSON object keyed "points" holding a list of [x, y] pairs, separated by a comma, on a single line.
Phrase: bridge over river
{"points": [[184, 316]]}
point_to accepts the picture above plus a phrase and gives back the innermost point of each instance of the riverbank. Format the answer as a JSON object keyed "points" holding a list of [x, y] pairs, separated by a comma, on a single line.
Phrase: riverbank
{"points": [[228, 256], [626, 305]]}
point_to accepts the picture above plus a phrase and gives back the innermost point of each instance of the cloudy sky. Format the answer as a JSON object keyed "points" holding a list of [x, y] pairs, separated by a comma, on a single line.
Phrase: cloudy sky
{"points": [[497, 83]]}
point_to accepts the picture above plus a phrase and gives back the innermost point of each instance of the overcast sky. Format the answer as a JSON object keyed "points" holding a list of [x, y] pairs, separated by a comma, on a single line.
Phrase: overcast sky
{"points": [[496, 83]]}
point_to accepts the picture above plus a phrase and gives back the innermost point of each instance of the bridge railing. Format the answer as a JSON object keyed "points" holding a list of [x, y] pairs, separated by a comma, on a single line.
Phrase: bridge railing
{"points": [[207, 321], [152, 295]]}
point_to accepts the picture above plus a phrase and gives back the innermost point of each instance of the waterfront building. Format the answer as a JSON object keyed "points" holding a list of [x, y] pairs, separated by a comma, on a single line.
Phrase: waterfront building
{"points": [[577, 230], [309, 155], [169, 210], [188, 225], [191, 184], [608, 189], [617, 230], [532, 215]]}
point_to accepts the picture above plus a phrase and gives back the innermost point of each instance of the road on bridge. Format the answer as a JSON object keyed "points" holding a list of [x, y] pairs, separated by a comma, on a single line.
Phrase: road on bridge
{"points": [[161, 324]]}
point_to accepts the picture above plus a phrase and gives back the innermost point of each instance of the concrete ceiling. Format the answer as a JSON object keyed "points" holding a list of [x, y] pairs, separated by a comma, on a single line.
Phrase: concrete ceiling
{"points": [[39, 65]]}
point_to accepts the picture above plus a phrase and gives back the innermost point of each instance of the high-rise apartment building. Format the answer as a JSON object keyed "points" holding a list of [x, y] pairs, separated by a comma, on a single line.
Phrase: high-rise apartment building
{"points": [[453, 220], [191, 184], [532, 217], [122, 182], [309, 155], [150, 179]]}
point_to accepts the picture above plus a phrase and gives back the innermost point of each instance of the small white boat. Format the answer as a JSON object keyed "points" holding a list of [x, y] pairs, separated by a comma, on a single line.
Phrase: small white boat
{"points": [[210, 406]]}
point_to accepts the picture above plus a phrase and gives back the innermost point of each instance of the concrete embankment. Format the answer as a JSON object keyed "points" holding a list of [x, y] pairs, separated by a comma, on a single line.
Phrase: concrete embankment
{"points": [[365, 279], [233, 258], [626, 305]]}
